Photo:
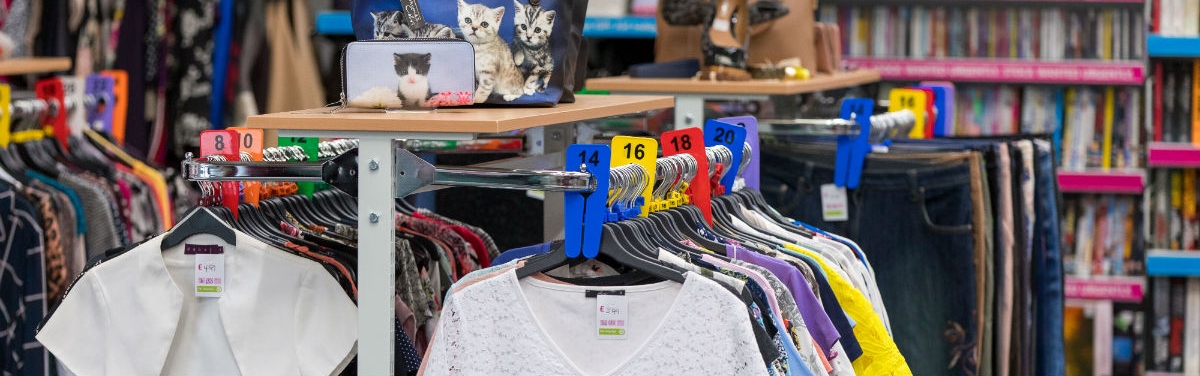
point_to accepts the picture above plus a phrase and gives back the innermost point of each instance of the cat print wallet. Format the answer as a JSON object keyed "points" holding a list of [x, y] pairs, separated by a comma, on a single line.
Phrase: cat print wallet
{"points": [[526, 52], [408, 74]]}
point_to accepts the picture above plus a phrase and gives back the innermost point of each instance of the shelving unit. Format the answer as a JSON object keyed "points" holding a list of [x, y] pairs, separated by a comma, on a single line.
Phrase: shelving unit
{"points": [[631, 27], [1084, 72], [1130, 181], [1170, 154], [1123, 289], [30, 65], [690, 94], [1172, 263], [1164, 46], [377, 133]]}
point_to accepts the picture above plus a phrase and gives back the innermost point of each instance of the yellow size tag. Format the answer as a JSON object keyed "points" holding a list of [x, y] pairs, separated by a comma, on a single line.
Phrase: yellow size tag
{"points": [[637, 150], [912, 100], [5, 115]]}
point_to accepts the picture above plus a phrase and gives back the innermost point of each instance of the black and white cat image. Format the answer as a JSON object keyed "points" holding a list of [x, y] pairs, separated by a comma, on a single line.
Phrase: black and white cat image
{"points": [[495, 71], [413, 71], [430, 30], [388, 24], [531, 44]]}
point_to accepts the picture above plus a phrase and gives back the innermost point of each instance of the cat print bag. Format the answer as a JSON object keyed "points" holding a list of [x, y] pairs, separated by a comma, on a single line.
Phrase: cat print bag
{"points": [[408, 74], [525, 51]]}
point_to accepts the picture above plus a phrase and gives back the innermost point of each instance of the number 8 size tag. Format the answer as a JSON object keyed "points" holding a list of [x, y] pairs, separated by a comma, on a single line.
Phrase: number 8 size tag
{"points": [[223, 143], [637, 150], [717, 132]]}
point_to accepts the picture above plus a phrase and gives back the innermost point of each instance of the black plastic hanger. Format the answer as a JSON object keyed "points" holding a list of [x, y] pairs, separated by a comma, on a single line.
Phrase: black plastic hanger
{"points": [[199, 221], [609, 246]]}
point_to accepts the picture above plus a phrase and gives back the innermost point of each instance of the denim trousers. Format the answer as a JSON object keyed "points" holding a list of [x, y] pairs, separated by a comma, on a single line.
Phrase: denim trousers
{"points": [[1047, 266], [913, 215]]}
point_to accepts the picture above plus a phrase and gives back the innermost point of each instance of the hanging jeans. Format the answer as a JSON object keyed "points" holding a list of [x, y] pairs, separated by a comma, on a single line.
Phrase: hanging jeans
{"points": [[1047, 266], [913, 215]]}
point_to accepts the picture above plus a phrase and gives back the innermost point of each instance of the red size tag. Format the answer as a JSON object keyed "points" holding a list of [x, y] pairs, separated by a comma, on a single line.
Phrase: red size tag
{"points": [[691, 141], [223, 143], [930, 111], [55, 121]]}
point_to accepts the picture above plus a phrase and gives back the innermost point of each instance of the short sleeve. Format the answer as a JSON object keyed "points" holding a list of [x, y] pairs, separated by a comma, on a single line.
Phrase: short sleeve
{"points": [[77, 331], [326, 325]]}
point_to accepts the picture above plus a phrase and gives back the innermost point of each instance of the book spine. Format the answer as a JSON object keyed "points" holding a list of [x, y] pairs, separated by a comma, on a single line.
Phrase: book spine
{"points": [[1161, 334], [1106, 151], [1178, 311], [1158, 100], [1183, 127], [1191, 345], [1103, 339]]}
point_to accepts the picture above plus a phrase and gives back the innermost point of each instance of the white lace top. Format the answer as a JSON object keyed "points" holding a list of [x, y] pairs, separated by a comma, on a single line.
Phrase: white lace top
{"points": [[529, 327]]}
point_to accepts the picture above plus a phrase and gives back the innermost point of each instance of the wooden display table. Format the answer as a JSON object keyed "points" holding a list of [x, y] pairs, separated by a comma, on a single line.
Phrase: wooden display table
{"points": [[691, 94]]}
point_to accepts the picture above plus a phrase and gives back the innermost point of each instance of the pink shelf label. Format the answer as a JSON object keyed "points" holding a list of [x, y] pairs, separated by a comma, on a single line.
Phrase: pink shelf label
{"points": [[1082, 72], [1162, 154], [1124, 289], [1125, 182]]}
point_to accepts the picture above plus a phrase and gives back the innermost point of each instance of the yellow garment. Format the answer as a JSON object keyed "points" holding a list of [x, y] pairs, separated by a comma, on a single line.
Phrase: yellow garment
{"points": [[880, 354], [152, 177]]}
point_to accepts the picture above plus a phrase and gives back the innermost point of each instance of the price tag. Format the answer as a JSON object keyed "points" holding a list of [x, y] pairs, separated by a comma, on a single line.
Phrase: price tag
{"points": [[120, 104], [5, 115], [223, 143], [833, 203], [55, 121], [642, 151], [311, 149], [688, 141], [612, 315], [717, 132], [913, 100], [210, 269], [586, 212], [100, 87]]}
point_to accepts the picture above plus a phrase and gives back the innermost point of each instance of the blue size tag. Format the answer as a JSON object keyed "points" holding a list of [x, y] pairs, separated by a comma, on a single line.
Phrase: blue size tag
{"points": [[584, 211], [851, 149], [750, 176], [943, 102], [717, 132], [101, 117]]}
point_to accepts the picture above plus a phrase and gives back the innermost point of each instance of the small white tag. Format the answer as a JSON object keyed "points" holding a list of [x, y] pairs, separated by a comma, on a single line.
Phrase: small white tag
{"points": [[210, 275], [833, 203], [612, 314], [720, 25]]}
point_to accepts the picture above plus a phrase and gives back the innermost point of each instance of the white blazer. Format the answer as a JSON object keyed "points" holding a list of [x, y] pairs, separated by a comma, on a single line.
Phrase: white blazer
{"points": [[281, 314]]}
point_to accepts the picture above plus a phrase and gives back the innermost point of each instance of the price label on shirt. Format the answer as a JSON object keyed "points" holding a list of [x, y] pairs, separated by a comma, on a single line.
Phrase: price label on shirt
{"points": [[210, 269], [913, 100], [833, 203], [642, 151], [612, 315]]}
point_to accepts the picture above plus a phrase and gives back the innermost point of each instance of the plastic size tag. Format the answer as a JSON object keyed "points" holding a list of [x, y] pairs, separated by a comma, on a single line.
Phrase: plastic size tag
{"points": [[585, 212], [73, 91], [851, 150], [833, 203], [642, 151], [688, 141], [750, 175], [5, 114], [913, 100], [55, 121], [311, 149], [225, 144], [612, 315], [250, 141], [717, 132], [100, 117], [943, 103], [120, 103]]}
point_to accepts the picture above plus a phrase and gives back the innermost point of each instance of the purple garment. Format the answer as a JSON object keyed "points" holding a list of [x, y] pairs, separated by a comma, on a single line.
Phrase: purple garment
{"points": [[815, 319]]}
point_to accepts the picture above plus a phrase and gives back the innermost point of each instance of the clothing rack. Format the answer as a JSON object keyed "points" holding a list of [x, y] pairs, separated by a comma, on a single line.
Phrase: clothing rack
{"points": [[886, 125]]}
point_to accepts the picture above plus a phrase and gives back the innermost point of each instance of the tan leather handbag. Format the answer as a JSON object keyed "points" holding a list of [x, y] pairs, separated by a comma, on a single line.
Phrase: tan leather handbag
{"points": [[787, 37]]}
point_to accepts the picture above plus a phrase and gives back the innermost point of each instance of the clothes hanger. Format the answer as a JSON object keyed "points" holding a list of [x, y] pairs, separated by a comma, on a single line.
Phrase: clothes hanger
{"points": [[617, 249], [199, 221]]}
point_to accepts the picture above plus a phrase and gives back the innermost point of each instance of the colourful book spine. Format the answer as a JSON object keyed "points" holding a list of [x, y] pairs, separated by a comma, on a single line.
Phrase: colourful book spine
{"points": [[1178, 312], [1106, 149], [1105, 44], [1189, 194], [1195, 124]]}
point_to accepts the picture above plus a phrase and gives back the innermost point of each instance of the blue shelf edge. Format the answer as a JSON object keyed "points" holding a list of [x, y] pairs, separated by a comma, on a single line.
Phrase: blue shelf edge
{"points": [[1161, 46], [628, 27], [1173, 263]]}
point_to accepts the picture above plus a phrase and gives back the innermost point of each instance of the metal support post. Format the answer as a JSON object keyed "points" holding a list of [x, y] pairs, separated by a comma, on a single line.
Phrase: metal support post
{"points": [[557, 138], [377, 255]]}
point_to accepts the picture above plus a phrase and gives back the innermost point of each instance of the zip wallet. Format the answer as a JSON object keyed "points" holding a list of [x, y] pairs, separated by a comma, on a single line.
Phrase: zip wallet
{"points": [[408, 74]]}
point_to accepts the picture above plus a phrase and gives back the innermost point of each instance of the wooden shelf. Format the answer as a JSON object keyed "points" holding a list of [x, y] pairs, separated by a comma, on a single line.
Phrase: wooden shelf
{"points": [[461, 119], [626, 84], [26, 65]]}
